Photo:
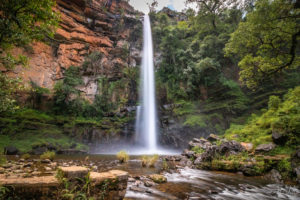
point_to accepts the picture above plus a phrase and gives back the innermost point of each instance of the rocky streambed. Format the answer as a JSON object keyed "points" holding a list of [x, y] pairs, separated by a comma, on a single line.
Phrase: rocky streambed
{"points": [[170, 178]]}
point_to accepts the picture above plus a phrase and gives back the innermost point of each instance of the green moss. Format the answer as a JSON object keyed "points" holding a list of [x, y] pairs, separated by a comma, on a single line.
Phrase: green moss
{"points": [[198, 150], [195, 120]]}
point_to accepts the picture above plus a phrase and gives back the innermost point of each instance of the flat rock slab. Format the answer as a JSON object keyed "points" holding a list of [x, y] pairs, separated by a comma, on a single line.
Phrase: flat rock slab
{"points": [[43, 181], [110, 175], [74, 172], [31, 188]]}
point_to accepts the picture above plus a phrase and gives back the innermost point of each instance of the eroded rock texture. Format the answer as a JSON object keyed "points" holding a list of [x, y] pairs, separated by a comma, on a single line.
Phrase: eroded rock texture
{"points": [[85, 27]]}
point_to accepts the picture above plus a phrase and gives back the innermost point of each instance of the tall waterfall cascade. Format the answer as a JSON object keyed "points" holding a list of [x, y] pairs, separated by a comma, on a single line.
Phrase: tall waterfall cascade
{"points": [[146, 122]]}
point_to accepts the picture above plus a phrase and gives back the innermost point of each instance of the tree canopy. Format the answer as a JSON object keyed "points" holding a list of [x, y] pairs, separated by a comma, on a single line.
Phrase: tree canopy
{"points": [[22, 22], [266, 42]]}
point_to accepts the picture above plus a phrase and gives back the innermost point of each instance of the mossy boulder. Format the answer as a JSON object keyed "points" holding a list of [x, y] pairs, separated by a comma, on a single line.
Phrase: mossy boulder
{"points": [[157, 178]]}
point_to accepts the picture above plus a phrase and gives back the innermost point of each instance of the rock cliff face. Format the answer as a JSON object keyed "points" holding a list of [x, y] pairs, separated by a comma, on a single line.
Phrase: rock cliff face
{"points": [[86, 26]]}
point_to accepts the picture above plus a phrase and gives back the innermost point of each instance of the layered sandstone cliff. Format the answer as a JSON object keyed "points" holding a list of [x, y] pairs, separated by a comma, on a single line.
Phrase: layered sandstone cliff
{"points": [[86, 26]]}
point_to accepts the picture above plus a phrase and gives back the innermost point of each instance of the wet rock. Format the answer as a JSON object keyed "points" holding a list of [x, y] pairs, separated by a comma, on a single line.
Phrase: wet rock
{"points": [[186, 162], [213, 138], [247, 146], [6, 166], [274, 175], [200, 143], [130, 179], [48, 169], [137, 183], [11, 150], [230, 147], [251, 170], [138, 189], [297, 172], [188, 153], [46, 161], [74, 172], [262, 148], [149, 183], [279, 137], [157, 178], [27, 165]]}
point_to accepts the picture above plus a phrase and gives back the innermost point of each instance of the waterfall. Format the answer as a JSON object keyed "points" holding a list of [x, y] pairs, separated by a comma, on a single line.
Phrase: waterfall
{"points": [[146, 126]]}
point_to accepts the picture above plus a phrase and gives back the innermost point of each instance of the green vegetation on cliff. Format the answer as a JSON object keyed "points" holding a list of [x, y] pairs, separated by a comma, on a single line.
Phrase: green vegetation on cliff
{"points": [[281, 117]]}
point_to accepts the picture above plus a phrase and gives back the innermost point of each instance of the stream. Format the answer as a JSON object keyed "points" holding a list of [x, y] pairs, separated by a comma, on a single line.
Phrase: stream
{"points": [[186, 183]]}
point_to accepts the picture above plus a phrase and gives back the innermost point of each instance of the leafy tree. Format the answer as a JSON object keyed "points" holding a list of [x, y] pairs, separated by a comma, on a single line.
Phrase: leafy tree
{"points": [[267, 42], [8, 88], [23, 21]]}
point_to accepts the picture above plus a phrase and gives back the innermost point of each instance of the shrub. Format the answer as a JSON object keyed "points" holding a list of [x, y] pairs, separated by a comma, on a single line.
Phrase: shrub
{"points": [[149, 161], [122, 156], [48, 155]]}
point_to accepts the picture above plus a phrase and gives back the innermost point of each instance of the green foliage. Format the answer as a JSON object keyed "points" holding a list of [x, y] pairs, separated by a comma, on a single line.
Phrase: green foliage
{"points": [[195, 120], [285, 168], [8, 88], [267, 41], [48, 155], [21, 23], [274, 102], [198, 150], [280, 116], [2, 158], [183, 108], [149, 161], [122, 156]]}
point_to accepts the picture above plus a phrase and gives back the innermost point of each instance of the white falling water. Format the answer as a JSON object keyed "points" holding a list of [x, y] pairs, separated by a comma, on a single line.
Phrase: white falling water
{"points": [[146, 126]]}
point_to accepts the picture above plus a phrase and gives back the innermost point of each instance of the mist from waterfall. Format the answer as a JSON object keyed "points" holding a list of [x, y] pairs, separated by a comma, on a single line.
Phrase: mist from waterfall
{"points": [[146, 122]]}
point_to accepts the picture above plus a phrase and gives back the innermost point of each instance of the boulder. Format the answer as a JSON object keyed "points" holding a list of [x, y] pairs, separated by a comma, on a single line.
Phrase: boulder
{"points": [[200, 143], [297, 173], [188, 153], [149, 183], [11, 150], [185, 162], [279, 137], [230, 147], [262, 148], [247, 146], [274, 175], [213, 138], [157, 178], [74, 172]]}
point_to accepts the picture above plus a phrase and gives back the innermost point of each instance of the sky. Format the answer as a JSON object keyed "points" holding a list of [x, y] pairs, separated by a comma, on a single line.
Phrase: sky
{"points": [[141, 5]]}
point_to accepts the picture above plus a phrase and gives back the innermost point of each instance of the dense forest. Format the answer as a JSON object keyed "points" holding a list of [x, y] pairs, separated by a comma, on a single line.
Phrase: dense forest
{"points": [[226, 68]]}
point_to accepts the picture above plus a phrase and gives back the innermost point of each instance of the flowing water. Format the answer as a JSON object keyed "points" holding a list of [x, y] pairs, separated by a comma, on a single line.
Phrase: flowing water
{"points": [[146, 126], [198, 184], [191, 184]]}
